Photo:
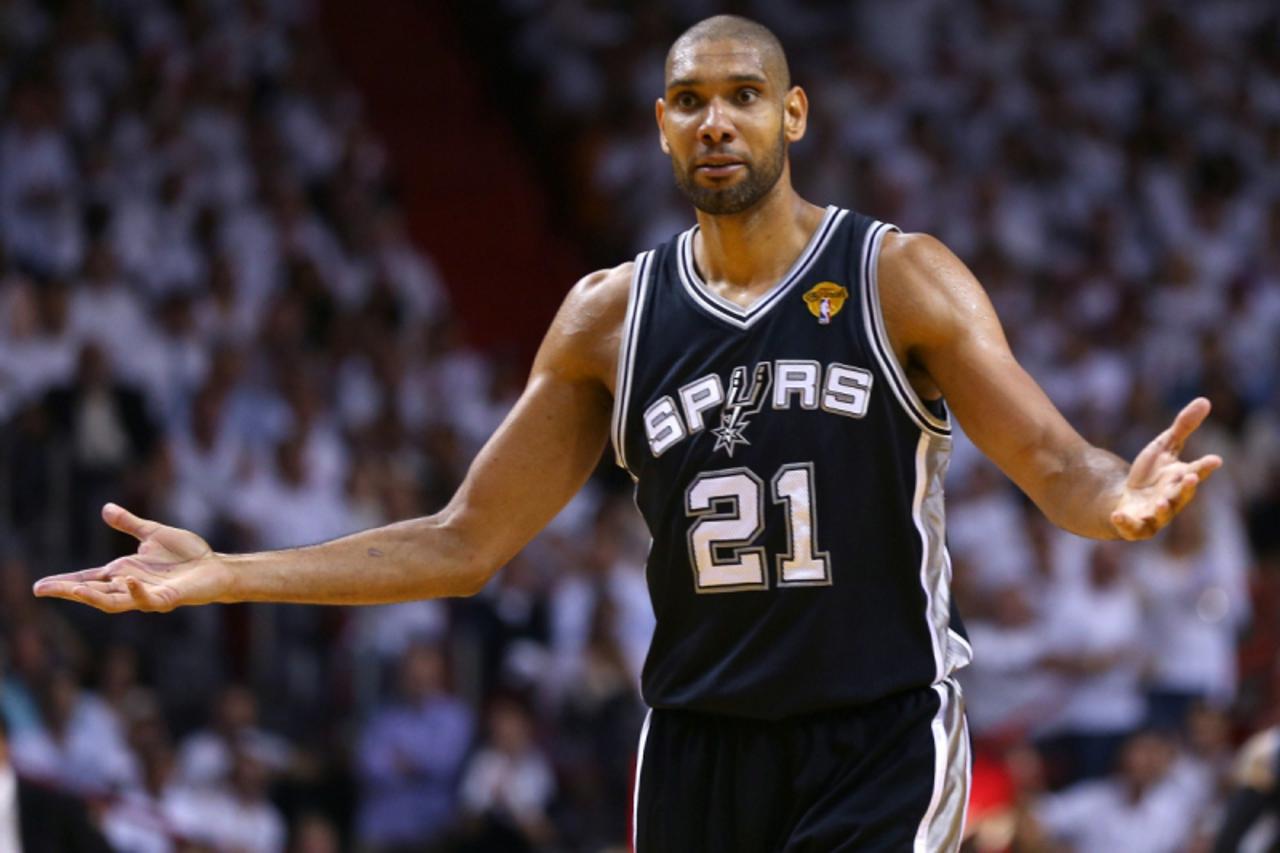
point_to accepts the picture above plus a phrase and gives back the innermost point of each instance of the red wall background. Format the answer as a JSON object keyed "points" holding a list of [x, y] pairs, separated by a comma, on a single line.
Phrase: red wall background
{"points": [[470, 192]]}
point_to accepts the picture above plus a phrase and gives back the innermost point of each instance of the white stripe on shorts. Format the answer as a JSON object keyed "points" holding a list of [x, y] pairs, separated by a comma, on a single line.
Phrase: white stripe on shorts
{"points": [[942, 827], [635, 795]]}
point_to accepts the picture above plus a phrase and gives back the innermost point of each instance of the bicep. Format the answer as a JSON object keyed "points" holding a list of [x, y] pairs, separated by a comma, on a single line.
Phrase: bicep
{"points": [[539, 457], [951, 331], [1001, 407], [550, 441]]}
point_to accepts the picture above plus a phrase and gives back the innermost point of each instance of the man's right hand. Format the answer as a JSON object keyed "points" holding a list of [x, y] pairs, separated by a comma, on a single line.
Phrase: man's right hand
{"points": [[172, 567]]}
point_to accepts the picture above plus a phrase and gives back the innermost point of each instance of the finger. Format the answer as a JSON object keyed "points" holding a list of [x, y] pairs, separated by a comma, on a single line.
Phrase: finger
{"points": [[1187, 422], [126, 522], [104, 595], [1154, 513], [1125, 526], [144, 598], [1130, 528], [1179, 494], [1204, 467], [1184, 490], [108, 598], [43, 586], [1197, 472], [1144, 463]]}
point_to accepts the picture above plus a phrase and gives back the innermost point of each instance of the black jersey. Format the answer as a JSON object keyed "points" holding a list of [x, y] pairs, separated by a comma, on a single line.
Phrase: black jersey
{"points": [[792, 482]]}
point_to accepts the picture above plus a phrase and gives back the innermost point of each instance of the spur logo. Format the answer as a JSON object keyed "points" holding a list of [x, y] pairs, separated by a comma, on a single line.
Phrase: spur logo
{"points": [[780, 385]]}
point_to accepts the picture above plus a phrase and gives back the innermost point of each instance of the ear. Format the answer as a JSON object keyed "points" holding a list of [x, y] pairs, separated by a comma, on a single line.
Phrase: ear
{"points": [[795, 114], [659, 110]]}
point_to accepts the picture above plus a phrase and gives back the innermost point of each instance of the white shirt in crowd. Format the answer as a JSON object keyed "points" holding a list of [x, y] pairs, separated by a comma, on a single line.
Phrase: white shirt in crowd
{"points": [[218, 818], [520, 786], [1195, 604], [1092, 621], [1098, 816]]}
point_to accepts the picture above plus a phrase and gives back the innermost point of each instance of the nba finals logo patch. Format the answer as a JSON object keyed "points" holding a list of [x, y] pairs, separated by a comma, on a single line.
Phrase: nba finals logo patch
{"points": [[825, 299]]}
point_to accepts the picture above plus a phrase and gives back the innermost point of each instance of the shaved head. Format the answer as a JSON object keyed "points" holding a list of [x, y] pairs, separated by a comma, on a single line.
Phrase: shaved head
{"points": [[728, 114], [737, 29]]}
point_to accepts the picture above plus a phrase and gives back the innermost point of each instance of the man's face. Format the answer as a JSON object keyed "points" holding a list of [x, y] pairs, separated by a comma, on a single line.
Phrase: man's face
{"points": [[726, 125]]}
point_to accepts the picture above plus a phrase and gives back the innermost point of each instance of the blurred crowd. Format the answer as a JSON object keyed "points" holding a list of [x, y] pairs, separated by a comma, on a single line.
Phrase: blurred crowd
{"points": [[210, 311]]}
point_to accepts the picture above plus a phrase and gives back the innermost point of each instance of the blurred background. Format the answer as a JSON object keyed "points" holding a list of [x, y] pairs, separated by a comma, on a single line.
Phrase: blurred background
{"points": [[274, 269]]}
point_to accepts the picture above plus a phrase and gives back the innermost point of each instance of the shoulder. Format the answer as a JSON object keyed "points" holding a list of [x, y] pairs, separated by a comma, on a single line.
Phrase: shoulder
{"points": [[600, 296], [587, 331], [915, 259], [927, 293]]}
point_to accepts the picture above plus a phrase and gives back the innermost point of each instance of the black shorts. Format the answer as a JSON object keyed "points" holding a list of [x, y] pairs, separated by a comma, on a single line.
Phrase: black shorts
{"points": [[893, 775]]}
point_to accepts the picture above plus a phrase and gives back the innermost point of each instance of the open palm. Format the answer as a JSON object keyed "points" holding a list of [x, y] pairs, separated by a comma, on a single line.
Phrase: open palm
{"points": [[172, 567], [1160, 484]]}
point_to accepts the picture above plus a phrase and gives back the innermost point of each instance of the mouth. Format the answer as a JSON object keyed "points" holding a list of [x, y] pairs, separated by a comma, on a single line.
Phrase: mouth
{"points": [[719, 167]]}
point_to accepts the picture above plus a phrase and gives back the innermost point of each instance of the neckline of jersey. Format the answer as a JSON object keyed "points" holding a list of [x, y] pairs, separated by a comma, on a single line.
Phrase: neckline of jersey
{"points": [[731, 311]]}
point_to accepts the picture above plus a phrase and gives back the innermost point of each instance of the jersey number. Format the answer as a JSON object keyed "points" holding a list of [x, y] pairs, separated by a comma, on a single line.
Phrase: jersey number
{"points": [[729, 515]]}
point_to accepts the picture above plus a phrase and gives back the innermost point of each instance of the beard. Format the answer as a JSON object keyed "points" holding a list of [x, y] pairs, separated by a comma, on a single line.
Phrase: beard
{"points": [[741, 196]]}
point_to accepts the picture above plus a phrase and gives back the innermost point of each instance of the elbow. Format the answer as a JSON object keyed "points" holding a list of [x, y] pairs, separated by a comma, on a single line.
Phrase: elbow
{"points": [[474, 564], [480, 562], [467, 572], [469, 550], [450, 559], [474, 580], [460, 579]]}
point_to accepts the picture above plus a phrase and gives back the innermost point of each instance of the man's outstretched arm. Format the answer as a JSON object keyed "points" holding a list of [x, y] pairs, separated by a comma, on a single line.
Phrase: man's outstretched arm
{"points": [[943, 325], [527, 471]]}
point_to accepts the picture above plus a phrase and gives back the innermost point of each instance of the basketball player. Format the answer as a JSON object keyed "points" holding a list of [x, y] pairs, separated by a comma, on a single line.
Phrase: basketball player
{"points": [[774, 380]]}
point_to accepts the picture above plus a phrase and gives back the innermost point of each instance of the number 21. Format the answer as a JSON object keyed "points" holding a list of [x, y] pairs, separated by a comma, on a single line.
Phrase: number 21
{"points": [[727, 506]]}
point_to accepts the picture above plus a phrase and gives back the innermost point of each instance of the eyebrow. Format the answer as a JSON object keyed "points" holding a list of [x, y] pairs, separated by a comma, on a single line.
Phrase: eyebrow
{"points": [[689, 82]]}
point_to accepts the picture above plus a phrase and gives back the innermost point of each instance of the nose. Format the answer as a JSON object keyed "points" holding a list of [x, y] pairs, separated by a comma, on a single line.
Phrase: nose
{"points": [[716, 128]]}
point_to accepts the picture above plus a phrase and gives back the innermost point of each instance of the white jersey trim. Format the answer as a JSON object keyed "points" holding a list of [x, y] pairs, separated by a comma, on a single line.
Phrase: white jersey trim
{"points": [[873, 320], [932, 566], [731, 312], [627, 357]]}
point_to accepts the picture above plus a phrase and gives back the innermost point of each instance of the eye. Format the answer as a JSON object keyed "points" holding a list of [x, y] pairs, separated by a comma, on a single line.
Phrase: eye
{"points": [[748, 95], [686, 100]]}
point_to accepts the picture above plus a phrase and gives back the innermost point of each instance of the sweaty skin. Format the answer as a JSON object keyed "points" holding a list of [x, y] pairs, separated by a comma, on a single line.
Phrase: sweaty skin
{"points": [[721, 120]]}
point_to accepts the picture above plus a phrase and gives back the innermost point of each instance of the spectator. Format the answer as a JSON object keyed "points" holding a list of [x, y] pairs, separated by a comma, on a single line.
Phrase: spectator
{"points": [[1094, 646], [509, 784], [1193, 582], [597, 722], [138, 820], [105, 425], [235, 815], [1137, 809], [283, 505], [410, 754], [79, 743], [206, 757], [1008, 689], [33, 817], [105, 311], [208, 459]]}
